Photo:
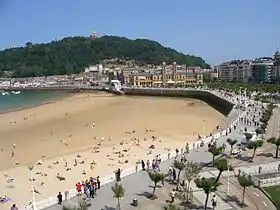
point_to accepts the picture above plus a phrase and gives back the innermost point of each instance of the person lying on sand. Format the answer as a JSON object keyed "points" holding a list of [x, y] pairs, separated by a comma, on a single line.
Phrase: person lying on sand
{"points": [[60, 178], [37, 191], [10, 180], [4, 199], [93, 163]]}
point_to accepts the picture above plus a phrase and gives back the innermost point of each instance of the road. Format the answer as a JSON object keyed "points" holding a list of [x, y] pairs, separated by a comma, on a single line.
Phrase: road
{"points": [[274, 124]]}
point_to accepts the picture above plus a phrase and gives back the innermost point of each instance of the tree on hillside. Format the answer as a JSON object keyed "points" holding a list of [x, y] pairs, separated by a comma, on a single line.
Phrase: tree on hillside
{"points": [[245, 181], [73, 54], [155, 177], [231, 142], [208, 185], [276, 142], [215, 151], [254, 145], [180, 166], [222, 165], [119, 192]]}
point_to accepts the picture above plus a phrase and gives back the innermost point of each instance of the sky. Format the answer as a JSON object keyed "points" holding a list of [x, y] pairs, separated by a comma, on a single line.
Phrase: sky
{"points": [[216, 30]]}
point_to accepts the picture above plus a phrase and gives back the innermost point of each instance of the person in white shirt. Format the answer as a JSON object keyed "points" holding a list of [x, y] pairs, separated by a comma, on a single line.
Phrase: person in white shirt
{"points": [[214, 201]]}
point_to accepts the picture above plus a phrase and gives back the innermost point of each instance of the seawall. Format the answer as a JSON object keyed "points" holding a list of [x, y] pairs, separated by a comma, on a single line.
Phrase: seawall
{"points": [[220, 104]]}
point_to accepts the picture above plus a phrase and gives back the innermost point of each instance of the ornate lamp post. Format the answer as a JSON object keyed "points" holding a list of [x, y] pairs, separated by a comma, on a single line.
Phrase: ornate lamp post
{"points": [[204, 128], [228, 166], [34, 205]]}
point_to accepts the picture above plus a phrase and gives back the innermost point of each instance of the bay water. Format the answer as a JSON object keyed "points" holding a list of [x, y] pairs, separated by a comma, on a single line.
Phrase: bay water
{"points": [[10, 100]]}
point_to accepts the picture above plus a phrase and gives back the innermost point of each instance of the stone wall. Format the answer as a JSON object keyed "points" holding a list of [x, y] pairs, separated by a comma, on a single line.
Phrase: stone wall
{"points": [[220, 104]]}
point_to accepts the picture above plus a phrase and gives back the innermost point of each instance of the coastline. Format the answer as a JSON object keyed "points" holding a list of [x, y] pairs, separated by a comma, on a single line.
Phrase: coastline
{"points": [[165, 140], [31, 106]]}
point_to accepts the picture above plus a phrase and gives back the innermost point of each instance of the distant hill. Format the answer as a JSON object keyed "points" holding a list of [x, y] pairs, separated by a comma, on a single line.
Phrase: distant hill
{"points": [[73, 54]]}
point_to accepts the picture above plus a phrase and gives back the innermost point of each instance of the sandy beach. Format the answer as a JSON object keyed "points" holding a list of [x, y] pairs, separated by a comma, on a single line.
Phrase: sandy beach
{"points": [[109, 131]]}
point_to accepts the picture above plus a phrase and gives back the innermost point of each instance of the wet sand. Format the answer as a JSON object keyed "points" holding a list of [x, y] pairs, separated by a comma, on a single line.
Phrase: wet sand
{"points": [[92, 125]]}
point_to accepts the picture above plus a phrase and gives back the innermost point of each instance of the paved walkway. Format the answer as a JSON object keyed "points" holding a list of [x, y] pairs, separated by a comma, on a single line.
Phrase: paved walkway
{"points": [[137, 184]]}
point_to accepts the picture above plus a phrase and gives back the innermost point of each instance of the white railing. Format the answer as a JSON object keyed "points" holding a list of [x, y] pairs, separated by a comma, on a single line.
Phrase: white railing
{"points": [[51, 201]]}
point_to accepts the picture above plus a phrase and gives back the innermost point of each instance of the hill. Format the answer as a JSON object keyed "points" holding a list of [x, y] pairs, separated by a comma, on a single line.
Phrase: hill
{"points": [[73, 54]]}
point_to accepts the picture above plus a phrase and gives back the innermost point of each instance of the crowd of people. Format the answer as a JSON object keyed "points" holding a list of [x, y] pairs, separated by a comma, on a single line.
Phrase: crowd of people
{"points": [[88, 187]]}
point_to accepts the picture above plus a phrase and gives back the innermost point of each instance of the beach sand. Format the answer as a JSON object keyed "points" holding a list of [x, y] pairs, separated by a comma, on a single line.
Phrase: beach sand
{"points": [[92, 125]]}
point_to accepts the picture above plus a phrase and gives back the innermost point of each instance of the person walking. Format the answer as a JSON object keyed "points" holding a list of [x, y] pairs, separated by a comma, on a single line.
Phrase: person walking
{"points": [[148, 165], [91, 190], [170, 174], [79, 188], [214, 201], [118, 175], [143, 165], [98, 183], [14, 207], [59, 198], [174, 174], [172, 195]]}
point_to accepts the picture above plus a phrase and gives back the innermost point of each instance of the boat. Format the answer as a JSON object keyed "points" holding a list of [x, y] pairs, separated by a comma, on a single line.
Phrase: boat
{"points": [[5, 93], [16, 92]]}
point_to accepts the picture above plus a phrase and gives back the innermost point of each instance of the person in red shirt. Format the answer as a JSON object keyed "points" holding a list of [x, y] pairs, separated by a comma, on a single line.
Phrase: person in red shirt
{"points": [[79, 188]]}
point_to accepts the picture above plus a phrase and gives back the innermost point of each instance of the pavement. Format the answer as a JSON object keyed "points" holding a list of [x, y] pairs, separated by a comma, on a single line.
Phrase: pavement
{"points": [[137, 185]]}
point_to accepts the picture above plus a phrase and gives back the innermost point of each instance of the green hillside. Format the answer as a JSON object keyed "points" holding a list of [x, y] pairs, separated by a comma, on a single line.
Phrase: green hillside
{"points": [[72, 54]]}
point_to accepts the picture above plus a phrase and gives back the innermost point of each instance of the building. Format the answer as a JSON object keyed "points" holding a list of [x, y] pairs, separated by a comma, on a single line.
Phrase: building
{"points": [[262, 70], [126, 74], [166, 76], [276, 70], [227, 70], [93, 35], [235, 71], [156, 79]]}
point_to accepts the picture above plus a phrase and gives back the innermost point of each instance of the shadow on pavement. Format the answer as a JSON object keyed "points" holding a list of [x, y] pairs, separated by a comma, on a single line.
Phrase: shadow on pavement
{"points": [[244, 158], [265, 154], [232, 198], [145, 194], [108, 208], [194, 206]]}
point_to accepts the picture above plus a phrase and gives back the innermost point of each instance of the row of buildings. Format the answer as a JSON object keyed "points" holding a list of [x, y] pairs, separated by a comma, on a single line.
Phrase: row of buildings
{"points": [[260, 70], [163, 75]]}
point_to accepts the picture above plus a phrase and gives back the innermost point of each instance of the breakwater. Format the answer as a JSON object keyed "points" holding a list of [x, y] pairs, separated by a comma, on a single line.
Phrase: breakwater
{"points": [[218, 103]]}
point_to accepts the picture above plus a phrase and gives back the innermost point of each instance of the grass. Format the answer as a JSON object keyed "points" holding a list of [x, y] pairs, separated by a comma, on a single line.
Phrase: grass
{"points": [[274, 192]]}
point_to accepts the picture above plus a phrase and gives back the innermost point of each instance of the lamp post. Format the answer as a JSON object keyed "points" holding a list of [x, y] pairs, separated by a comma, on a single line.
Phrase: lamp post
{"points": [[204, 128], [228, 166], [34, 206]]}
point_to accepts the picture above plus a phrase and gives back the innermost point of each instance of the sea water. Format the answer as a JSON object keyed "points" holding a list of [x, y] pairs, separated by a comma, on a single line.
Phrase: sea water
{"points": [[13, 100]]}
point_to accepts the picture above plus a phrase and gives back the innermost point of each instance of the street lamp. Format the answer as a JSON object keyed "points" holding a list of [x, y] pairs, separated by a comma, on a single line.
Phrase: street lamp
{"points": [[34, 206], [204, 128], [228, 166]]}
